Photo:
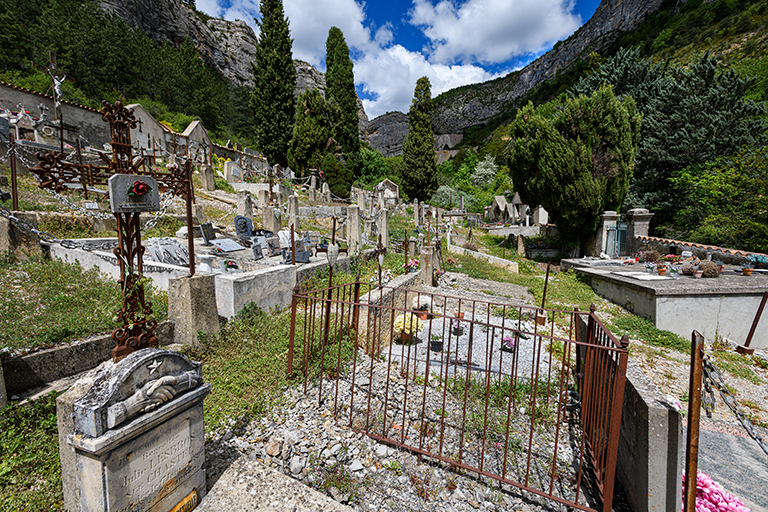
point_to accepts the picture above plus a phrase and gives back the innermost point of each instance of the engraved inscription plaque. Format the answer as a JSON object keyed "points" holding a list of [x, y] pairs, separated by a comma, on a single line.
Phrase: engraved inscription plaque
{"points": [[150, 467]]}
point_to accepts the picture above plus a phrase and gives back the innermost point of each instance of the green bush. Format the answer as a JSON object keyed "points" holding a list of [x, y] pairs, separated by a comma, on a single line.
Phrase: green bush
{"points": [[222, 184]]}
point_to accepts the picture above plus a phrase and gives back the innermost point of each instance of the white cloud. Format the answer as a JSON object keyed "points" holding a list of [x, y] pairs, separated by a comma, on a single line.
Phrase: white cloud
{"points": [[459, 35], [390, 75], [492, 31], [310, 21]]}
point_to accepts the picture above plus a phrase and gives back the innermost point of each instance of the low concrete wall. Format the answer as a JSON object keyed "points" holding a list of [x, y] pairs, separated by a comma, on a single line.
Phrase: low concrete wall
{"points": [[323, 211], [515, 230], [509, 265], [39, 368], [107, 263], [400, 287], [651, 443], [269, 288]]}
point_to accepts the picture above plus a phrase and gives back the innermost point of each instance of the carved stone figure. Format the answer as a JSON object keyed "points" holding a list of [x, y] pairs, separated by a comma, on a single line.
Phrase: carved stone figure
{"points": [[150, 396]]}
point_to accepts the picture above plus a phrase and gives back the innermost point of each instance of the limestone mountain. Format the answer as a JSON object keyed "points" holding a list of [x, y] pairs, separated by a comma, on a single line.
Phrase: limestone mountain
{"points": [[229, 46], [476, 105]]}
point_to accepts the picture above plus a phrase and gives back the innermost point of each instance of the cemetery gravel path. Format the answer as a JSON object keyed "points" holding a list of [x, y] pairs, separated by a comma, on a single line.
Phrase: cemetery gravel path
{"points": [[304, 441]]}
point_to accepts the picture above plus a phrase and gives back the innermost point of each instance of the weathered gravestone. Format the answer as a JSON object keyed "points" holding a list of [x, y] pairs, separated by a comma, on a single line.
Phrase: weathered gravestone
{"points": [[244, 204], [326, 193], [208, 232], [256, 250], [244, 227], [207, 178], [133, 440]]}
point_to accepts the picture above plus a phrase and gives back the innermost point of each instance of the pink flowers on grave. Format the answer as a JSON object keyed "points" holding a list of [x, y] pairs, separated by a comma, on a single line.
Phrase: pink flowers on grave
{"points": [[411, 264], [139, 189], [711, 497], [508, 342]]}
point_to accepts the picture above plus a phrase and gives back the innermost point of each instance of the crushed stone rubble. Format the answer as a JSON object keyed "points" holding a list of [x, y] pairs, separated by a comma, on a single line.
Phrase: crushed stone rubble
{"points": [[306, 441]]}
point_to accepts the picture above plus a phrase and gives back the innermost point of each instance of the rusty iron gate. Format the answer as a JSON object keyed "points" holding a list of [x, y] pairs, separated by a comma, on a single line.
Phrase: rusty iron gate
{"points": [[516, 393]]}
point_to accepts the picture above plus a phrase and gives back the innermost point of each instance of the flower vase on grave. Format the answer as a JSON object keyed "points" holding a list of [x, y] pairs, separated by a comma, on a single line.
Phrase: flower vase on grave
{"points": [[407, 338]]}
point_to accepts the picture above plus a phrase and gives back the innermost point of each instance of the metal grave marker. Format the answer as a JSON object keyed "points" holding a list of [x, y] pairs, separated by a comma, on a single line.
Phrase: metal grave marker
{"points": [[130, 193]]}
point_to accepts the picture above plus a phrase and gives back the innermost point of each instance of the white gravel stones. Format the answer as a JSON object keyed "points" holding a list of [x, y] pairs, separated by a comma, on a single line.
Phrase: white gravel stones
{"points": [[303, 439]]}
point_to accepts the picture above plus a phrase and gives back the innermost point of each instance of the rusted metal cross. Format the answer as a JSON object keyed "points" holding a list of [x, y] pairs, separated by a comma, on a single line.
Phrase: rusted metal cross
{"points": [[54, 173]]}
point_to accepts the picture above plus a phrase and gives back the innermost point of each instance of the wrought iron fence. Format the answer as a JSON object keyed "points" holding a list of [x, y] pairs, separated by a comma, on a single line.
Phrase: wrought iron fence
{"points": [[480, 386]]}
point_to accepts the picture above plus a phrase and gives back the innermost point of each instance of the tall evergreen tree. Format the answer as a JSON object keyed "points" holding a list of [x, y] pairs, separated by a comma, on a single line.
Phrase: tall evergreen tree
{"points": [[313, 132], [274, 79], [340, 89], [577, 163], [690, 116], [420, 175]]}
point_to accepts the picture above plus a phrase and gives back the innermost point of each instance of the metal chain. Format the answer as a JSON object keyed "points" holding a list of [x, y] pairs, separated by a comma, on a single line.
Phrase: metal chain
{"points": [[165, 200], [87, 245], [713, 378], [79, 209]]}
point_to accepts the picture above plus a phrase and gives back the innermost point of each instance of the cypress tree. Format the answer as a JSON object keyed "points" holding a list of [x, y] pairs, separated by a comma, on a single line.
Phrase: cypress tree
{"points": [[340, 89], [274, 79], [312, 132], [577, 163], [690, 116], [420, 174]]}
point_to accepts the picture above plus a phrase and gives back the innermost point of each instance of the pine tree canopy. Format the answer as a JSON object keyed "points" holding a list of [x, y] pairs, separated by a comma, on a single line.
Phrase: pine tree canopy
{"points": [[577, 162], [420, 174], [340, 89], [690, 116], [274, 80]]}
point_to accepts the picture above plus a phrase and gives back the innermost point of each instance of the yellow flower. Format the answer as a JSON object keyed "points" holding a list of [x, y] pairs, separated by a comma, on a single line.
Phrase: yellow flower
{"points": [[407, 323]]}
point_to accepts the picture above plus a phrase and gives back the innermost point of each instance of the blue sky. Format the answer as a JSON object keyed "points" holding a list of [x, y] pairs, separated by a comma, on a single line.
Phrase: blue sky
{"points": [[395, 42]]}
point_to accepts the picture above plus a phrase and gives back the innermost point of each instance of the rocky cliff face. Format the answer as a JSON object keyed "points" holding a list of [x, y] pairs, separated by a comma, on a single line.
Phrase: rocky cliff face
{"points": [[476, 105], [387, 133], [230, 46]]}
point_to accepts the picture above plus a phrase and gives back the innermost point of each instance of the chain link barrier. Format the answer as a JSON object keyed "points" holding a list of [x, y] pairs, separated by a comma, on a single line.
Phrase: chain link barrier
{"points": [[44, 236], [712, 378]]}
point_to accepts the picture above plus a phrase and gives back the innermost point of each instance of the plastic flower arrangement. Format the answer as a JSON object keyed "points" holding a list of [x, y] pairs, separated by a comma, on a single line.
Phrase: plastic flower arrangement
{"points": [[139, 189], [508, 342], [407, 323], [411, 264], [230, 264], [711, 497]]}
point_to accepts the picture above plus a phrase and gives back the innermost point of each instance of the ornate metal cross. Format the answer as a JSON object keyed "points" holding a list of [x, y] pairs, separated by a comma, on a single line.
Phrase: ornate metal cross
{"points": [[54, 172]]}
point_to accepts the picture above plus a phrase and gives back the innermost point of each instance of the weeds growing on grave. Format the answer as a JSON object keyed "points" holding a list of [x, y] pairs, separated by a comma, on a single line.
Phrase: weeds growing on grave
{"points": [[30, 471], [46, 302]]}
